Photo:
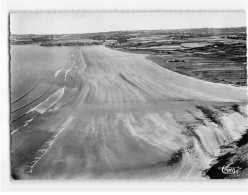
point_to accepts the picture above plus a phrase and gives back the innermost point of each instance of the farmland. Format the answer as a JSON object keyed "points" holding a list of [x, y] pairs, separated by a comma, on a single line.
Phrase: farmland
{"points": [[216, 55], [125, 111]]}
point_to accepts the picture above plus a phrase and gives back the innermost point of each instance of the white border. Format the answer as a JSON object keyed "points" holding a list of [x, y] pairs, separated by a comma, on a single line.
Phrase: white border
{"points": [[98, 5]]}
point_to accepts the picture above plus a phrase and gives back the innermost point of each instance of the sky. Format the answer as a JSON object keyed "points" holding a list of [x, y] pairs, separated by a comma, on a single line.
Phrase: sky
{"points": [[88, 22]]}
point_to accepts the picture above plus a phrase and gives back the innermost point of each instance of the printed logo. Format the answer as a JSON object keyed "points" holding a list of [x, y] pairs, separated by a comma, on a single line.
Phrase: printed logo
{"points": [[230, 170]]}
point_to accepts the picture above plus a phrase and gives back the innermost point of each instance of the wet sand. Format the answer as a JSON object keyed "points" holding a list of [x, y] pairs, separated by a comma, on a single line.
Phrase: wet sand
{"points": [[108, 114]]}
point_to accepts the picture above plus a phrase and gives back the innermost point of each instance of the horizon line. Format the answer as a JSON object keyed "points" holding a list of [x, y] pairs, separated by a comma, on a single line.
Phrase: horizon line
{"points": [[134, 30]]}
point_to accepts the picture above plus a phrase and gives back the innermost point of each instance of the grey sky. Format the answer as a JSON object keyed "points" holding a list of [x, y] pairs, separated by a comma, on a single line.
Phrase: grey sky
{"points": [[63, 23]]}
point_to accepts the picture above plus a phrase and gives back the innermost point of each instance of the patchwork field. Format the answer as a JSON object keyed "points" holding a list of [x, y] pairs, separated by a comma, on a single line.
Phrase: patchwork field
{"points": [[216, 55]]}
